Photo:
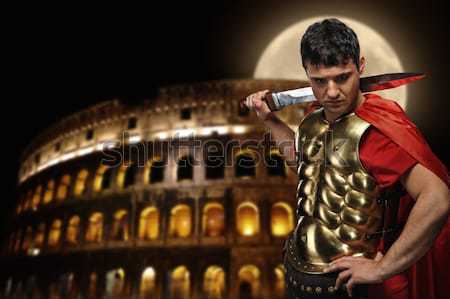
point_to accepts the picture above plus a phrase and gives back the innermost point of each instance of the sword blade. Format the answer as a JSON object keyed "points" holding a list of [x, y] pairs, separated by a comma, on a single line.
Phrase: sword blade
{"points": [[279, 100]]}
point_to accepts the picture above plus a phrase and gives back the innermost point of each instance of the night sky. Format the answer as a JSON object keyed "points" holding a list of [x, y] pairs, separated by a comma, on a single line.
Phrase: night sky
{"points": [[60, 60]]}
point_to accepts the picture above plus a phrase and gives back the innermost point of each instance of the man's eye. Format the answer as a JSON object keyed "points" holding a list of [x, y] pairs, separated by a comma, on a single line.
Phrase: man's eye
{"points": [[341, 78], [319, 81]]}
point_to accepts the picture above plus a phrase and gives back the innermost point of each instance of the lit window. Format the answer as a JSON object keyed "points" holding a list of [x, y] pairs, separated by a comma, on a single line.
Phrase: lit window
{"points": [[247, 219], [180, 221], [214, 283], [282, 221], [213, 220], [149, 224], [180, 283], [249, 282]]}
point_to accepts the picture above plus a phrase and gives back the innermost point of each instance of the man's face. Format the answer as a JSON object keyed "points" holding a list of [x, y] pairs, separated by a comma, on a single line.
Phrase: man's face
{"points": [[336, 88]]}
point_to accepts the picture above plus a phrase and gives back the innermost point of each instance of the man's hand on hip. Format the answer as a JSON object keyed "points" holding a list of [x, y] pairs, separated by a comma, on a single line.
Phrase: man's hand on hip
{"points": [[356, 270]]}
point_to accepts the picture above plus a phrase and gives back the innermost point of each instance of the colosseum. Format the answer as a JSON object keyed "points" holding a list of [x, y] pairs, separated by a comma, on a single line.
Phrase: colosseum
{"points": [[180, 196]]}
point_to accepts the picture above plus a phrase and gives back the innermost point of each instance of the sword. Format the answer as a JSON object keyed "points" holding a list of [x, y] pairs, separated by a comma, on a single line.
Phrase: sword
{"points": [[278, 100]]}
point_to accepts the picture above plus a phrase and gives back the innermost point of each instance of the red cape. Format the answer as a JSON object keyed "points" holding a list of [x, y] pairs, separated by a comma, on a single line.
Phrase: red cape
{"points": [[429, 277]]}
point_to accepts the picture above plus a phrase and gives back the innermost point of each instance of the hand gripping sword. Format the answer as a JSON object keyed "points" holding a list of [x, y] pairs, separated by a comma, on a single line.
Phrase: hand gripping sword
{"points": [[278, 100]]}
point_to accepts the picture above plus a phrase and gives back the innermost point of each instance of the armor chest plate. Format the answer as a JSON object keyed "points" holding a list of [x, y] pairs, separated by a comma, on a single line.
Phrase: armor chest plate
{"points": [[337, 199]]}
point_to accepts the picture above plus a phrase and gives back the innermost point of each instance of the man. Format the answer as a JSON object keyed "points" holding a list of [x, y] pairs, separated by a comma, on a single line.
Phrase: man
{"points": [[352, 154]]}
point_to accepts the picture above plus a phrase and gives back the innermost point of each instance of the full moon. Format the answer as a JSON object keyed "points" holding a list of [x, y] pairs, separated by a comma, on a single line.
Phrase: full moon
{"points": [[281, 58]]}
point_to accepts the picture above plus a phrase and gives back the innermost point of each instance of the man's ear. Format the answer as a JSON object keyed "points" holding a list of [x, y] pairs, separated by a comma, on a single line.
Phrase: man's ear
{"points": [[362, 64]]}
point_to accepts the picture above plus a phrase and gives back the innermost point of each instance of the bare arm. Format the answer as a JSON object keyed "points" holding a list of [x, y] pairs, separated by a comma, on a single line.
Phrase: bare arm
{"points": [[281, 133], [429, 214]]}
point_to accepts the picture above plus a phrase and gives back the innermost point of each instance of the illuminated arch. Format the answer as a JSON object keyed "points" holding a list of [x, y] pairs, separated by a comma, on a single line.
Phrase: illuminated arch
{"points": [[94, 233], [147, 287], [18, 239], [149, 224], [275, 164], [154, 171], [245, 163], [247, 219], [249, 278], [80, 183], [63, 189], [28, 201], [126, 175], [279, 287], [115, 283], [70, 286], [282, 219], [213, 220], [180, 286], [49, 192], [103, 178], [120, 226], [214, 283], [73, 230], [27, 239], [40, 236], [92, 291], [36, 197], [54, 235], [180, 221]]}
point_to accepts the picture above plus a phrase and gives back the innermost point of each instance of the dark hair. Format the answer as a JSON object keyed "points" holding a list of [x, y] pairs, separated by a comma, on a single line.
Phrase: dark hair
{"points": [[329, 43]]}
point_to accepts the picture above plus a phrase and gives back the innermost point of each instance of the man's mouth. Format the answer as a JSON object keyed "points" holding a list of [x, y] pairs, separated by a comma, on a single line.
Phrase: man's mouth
{"points": [[334, 103]]}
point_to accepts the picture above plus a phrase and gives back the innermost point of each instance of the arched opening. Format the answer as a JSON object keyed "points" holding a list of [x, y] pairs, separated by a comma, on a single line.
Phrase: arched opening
{"points": [[103, 178], [15, 241], [36, 198], [247, 219], [92, 291], [214, 160], [126, 175], [213, 222], [180, 221], [185, 168], [120, 226], [154, 172], [80, 184], [63, 189], [245, 164], [40, 236], [279, 287], [27, 240], [149, 224], [249, 282], [73, 231], [180, 283], [32, 288], [275, 164], [282, 219], [147, 289], [54, 290], [115, 283], [54, 235], [48, 195], [29, 200], [70, 288], [94, 233], [214, 283]]}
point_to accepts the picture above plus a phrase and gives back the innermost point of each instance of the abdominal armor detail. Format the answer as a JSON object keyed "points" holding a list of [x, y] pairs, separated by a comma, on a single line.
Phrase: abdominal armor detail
{"points": [[337, 206]]}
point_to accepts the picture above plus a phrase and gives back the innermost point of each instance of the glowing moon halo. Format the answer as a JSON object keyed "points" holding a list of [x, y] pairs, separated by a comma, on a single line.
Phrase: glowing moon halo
{"points": [[281, 58]]}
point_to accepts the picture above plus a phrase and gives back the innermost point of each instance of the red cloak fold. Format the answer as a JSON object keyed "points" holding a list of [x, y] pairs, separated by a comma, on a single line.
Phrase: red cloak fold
{"points": [[429, 277]]}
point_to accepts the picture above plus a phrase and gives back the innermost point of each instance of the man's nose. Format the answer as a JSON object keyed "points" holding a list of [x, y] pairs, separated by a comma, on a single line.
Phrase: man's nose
{"points": [[332, 90]]}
